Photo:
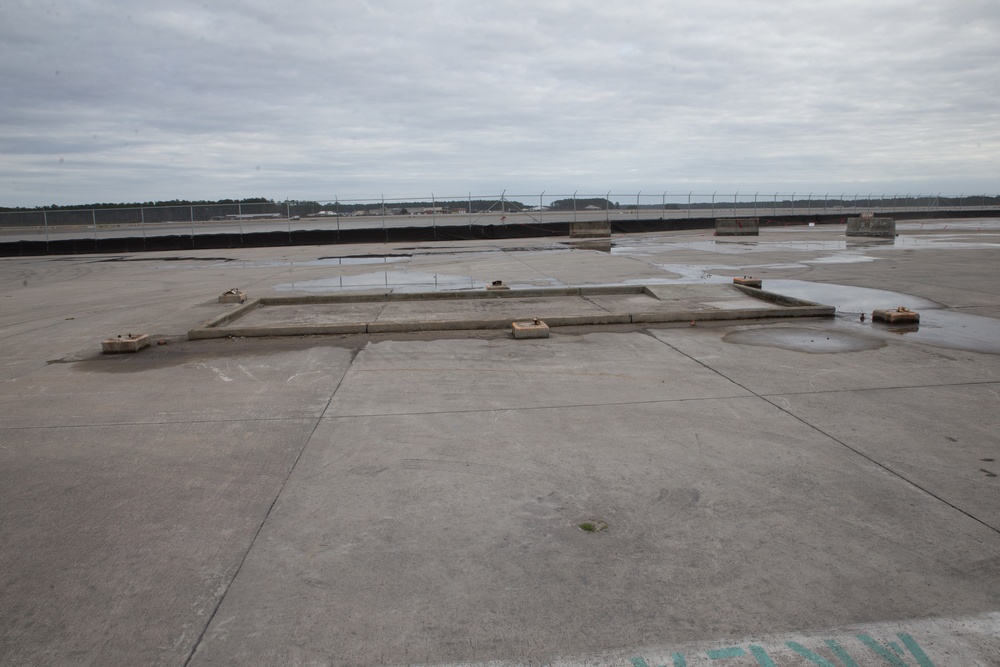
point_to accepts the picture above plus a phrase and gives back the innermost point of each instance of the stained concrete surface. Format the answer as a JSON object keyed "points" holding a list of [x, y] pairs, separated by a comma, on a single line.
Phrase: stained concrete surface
{"points": [[416, 499]]}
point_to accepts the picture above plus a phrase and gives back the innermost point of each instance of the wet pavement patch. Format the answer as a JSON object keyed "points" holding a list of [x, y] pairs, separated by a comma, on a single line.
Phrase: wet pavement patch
{"points": [[797, 339], [847, 298], [399, 280]]}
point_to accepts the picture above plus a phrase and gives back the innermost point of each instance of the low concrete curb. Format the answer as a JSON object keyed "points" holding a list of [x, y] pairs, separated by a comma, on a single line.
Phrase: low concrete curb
{"points": [[218, 327]]}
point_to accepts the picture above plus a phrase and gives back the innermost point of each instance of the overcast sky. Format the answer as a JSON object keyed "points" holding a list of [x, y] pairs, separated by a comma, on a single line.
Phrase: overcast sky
{"points": [[121, 101]]}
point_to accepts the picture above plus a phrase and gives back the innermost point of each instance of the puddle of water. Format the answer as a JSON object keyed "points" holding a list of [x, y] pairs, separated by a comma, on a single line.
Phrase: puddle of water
{"points": [[658, 245], [702, 273], [938, 327], [600, 245], [949, 329], [397, 281], [846, 298], [332, 261], [816, 341], [243, 264], [975, 224], [743, 247], [948, 242], [842, 258]]}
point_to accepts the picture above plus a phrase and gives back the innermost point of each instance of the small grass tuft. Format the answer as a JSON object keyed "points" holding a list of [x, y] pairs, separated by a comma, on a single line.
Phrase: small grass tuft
{"points": [[593, 526]]}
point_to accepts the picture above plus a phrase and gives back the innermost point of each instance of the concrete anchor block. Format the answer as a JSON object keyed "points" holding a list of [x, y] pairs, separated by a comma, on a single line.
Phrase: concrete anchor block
{"points": [[874, 227], [900, 315], [749, 282], [233, 296], [127, 344], [497, 285], [590, 229], [532, 329], [737, 227]]}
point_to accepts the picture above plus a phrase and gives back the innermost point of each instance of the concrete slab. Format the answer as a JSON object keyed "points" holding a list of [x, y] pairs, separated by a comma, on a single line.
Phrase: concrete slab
{"points": [[454, 535], [829, 356], [175, 384], [769, 488], [120, 540], [912, 431], [394, 377]]}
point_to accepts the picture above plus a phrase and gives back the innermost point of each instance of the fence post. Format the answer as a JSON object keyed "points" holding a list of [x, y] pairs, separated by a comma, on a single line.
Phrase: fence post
{"points": [[433, 215], [93, 216], [574, 205], [713, 204], [45, 221], [663, 206], [689, 204], [385, 232]]}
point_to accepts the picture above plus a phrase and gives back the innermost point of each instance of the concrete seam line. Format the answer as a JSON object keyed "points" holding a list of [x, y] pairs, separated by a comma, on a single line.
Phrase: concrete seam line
{"points": [[525, 408], [253, 541], [839, 442], [892, 388], [586, 297], [159, 423]]}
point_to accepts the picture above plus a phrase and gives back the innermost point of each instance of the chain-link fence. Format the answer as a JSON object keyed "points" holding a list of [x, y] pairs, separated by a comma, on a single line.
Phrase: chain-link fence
{"points": [[469, 209]]}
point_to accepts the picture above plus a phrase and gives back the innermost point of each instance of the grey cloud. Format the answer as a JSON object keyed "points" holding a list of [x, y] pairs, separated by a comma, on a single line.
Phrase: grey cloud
{"points": [[306, 98]]}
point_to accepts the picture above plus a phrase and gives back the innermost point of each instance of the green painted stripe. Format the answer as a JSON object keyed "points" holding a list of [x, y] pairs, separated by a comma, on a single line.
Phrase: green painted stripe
{"points": [[763, 659], [841, 654], [815, 658]]}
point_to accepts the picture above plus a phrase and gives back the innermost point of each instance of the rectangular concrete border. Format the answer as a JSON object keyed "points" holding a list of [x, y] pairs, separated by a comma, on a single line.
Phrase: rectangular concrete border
{"points": [[214, 328]]}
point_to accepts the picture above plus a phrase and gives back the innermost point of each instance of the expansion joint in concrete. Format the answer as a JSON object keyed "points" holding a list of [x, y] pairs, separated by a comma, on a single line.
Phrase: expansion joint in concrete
{"points": [[263, 522], [840, 442], [862, 390]]}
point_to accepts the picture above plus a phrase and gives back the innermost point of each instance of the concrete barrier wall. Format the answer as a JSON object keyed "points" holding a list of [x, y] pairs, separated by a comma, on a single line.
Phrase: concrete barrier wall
{"points": [[590, 229], [879, 227], [737, 227]]}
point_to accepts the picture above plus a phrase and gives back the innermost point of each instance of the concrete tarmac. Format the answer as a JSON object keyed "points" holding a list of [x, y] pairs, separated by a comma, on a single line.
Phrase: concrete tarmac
{"points": [[790, 492]]}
